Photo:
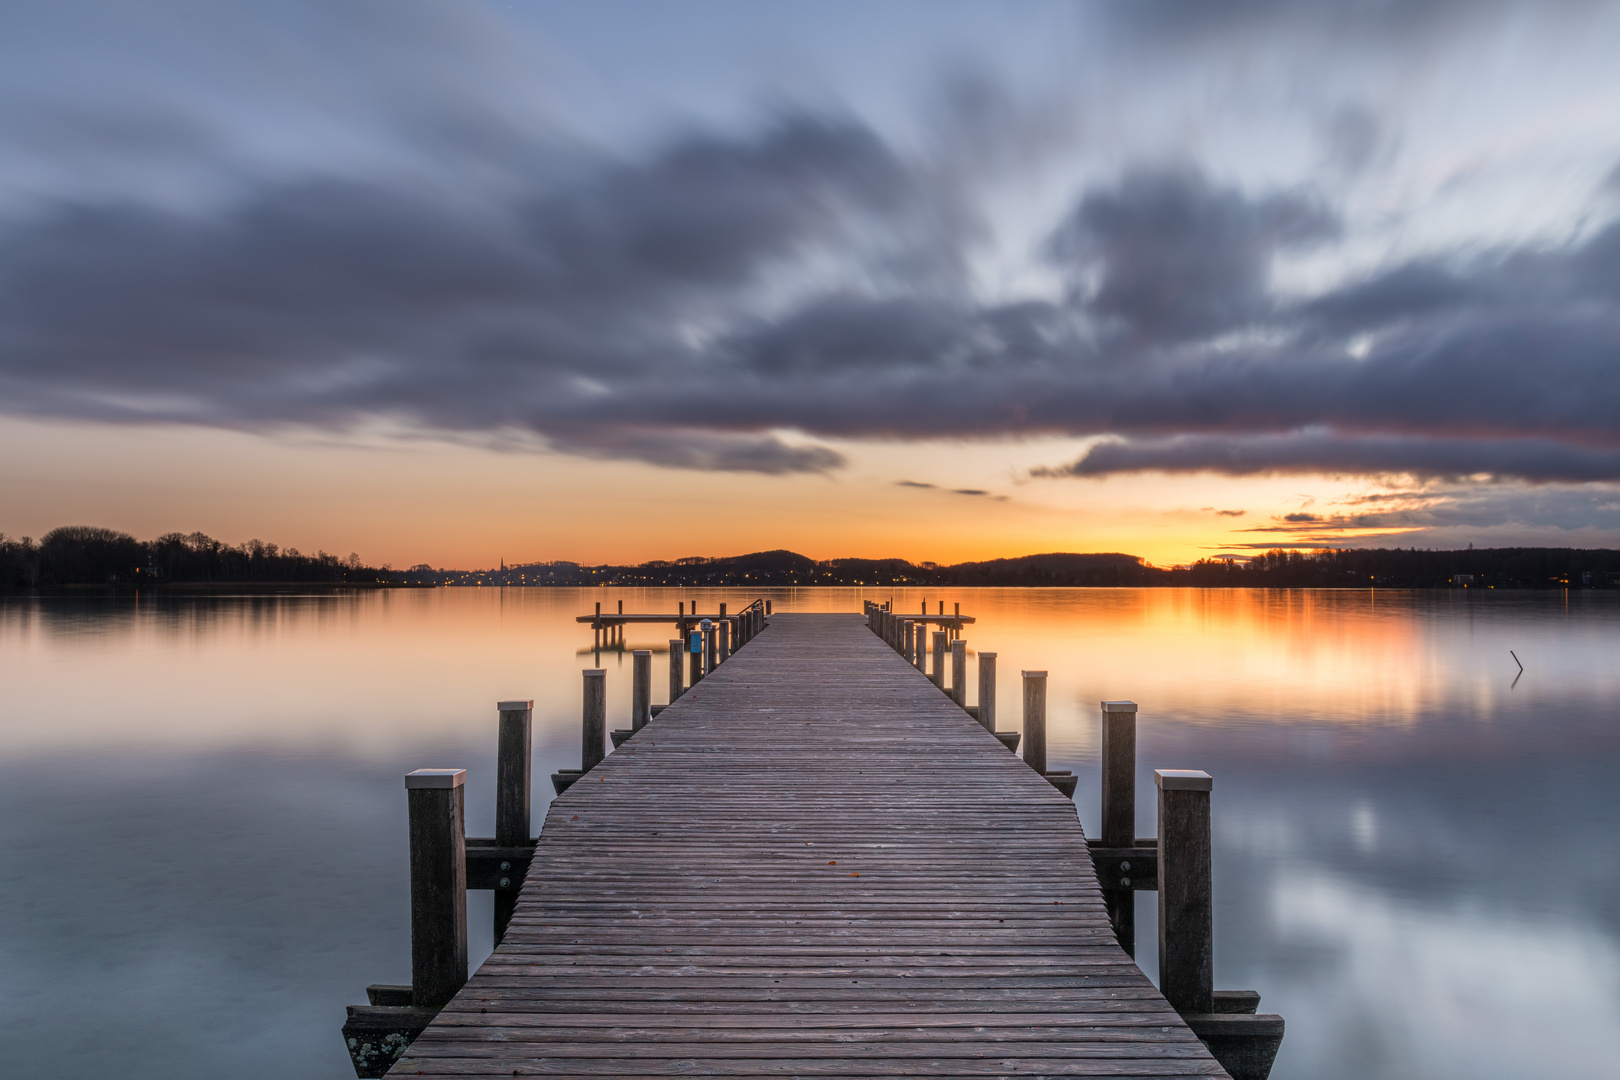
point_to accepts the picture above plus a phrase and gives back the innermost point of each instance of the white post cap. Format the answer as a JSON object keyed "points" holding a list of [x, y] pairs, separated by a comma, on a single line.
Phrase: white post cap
{"points": [[1183, 780], [514, 706], [1119, 706], [1034, 674], [435, 778]]}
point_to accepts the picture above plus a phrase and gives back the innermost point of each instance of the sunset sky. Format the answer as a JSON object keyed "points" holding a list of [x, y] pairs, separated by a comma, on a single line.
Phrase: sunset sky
{"points": [[452, 283]]}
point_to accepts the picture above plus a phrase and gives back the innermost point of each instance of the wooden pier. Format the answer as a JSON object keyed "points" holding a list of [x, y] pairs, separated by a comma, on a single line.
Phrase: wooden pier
{"points": [[814, 863]]}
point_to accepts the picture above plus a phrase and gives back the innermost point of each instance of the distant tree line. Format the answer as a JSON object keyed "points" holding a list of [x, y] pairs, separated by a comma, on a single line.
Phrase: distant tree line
{"points": [[87, 555], [1357, 568]]}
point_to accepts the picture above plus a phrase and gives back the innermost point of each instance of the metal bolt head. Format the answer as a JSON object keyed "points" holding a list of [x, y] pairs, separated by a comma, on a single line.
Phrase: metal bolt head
{"points": [[506, 883], [1124, 882], [507, 866], [1124, 864]]}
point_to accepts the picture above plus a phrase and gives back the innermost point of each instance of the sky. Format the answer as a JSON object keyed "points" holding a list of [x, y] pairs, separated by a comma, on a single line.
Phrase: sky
{"points": [[465, 282]]}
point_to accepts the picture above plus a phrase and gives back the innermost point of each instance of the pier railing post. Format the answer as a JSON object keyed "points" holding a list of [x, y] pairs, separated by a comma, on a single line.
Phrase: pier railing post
{"points": [[593, 745], [921, 659], [640, 689], [1118, 774], [959, 672], [940, 650], [438, 816], [1186, 919], [1119, 811], [677, 681], [514, 742], [1035, 720], [987, 691], [722, 646], [694, 645]]}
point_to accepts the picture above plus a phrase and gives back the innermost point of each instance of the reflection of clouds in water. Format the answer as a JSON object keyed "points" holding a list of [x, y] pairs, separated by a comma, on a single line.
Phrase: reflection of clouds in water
{"points": [[218, 905], [175, 917], [1457, 991]]}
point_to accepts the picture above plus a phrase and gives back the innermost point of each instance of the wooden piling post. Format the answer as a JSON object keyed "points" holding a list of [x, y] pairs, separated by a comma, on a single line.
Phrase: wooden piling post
{"points": [[1119, 811], [907, 644], [1035, 720], [710, 644], [939, 659], [959, 671], [722, 645], [1118, 774], [722, 611], [694, 647], [513, 756], [640, 689], [438, 816], [677, 682], [987, 690], [922, 647], [1186, 919], [593, 747], [767, 607]]}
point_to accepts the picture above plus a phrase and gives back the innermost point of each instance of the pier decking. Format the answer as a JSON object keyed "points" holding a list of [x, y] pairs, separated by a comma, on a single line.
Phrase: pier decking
{"points": [[813, 863]]}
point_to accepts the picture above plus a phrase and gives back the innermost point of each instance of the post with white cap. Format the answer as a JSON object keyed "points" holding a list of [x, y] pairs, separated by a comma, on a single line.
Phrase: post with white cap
{"points": [[1035, 720], [987, 691], [640, 689], [1186, 918], [437, 799], [940, 651], [959, 672], [677, 680]]}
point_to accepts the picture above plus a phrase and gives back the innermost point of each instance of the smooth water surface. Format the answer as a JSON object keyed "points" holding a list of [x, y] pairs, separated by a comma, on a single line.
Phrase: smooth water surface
{"points": [[1417, 849]]}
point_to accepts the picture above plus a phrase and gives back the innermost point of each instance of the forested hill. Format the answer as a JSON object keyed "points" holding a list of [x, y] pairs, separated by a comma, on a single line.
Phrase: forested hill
{"points": [[84, 555], [1357, 568]]}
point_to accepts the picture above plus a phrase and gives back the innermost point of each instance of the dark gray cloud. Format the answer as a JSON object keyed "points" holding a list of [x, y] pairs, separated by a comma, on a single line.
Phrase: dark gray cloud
{"points": [[685, 306], [1176, 257], [1325, 452]]}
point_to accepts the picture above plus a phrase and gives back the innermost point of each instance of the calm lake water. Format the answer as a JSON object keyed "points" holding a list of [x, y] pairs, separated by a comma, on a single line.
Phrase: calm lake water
{"points": [[1417, 850]]}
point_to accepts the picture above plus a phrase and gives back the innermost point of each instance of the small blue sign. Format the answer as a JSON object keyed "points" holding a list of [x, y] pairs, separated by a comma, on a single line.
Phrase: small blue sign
{"points": [[697, 643]]}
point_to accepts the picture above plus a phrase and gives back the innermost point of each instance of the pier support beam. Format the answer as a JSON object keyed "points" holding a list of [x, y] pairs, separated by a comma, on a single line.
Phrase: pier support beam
{"points": [[987, 691], [438, 815], [593, 730], [1119, 812], [513, 753], [1186, 913], [959, 672], [1034, 720]]}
